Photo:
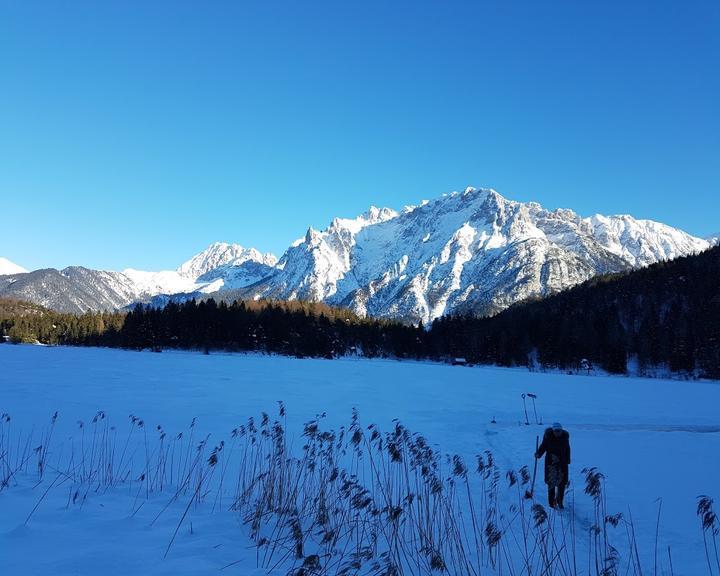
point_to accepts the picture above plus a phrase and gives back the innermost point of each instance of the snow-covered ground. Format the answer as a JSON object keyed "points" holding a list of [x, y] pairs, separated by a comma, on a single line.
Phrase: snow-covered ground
{"points": [[651, 438]]}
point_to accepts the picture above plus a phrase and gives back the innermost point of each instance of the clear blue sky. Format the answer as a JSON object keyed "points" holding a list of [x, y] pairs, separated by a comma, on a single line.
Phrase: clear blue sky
{"points": [[136, 133]]}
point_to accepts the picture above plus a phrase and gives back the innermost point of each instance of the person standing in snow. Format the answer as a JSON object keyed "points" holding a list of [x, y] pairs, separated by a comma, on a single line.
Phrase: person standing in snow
{"points": [[556, 448]]}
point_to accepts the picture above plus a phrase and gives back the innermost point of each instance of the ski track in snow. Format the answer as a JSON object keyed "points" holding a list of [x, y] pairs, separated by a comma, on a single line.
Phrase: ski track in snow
{"points": [[651, 438]]}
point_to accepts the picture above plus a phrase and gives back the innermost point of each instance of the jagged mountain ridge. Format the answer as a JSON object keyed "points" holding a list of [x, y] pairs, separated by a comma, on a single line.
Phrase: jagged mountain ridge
{"points": [[471, 251]]}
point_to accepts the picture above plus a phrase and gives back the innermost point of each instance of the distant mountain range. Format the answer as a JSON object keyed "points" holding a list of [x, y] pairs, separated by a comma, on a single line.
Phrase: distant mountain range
{"points": [[471, 251]]}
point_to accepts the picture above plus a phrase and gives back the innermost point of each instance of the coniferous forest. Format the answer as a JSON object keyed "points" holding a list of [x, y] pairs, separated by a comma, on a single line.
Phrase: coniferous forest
{"points": [[665, 316], [292, 328]]}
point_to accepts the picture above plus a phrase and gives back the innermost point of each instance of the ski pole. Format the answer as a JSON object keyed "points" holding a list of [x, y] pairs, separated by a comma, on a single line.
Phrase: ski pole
{"points": [[529, 493], [533, 396]]}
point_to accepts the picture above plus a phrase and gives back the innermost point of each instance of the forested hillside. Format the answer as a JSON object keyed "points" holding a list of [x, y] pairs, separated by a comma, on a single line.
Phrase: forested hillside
{"points": [[665, 315]]}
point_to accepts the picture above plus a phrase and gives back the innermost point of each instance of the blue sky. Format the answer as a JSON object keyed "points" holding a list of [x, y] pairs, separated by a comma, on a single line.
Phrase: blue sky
{"points": [[136, 133]]}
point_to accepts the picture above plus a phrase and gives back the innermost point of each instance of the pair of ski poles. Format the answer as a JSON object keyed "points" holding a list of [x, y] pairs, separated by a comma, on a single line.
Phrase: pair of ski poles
{"points": [[527, 420]]}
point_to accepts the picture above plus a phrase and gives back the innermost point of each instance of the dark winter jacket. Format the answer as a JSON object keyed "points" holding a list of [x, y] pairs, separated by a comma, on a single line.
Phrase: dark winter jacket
{"points": [[557, 459]]}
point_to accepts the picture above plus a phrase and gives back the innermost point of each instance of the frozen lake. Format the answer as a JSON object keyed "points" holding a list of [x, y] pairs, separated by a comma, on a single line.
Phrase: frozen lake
{"points": [[651, 438]]}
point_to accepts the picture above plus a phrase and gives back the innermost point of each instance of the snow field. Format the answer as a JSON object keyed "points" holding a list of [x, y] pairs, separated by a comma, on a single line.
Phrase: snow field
{"points": [[651, 438]]}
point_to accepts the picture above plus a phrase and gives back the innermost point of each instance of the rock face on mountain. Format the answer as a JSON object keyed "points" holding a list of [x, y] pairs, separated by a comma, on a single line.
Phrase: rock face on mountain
{"points": [[473, 252]]}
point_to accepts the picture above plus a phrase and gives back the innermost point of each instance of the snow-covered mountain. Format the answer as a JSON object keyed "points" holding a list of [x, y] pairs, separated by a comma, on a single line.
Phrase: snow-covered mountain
{"points": [[222, 254], [73, 289], [471, 251], [78, 289], [7, 267]]}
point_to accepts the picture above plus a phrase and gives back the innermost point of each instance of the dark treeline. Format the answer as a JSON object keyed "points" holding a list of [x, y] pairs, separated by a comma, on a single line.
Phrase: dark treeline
{"points": [[27, 322], [292, 328], [666, 315]]}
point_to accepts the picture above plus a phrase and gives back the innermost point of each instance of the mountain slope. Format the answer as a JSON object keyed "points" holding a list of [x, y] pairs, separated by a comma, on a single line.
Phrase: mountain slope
{"points": [[73, 289]]}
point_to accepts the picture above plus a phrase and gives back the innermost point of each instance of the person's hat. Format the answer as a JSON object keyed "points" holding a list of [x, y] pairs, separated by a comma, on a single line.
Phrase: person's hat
{"points": [[557, 426]]}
